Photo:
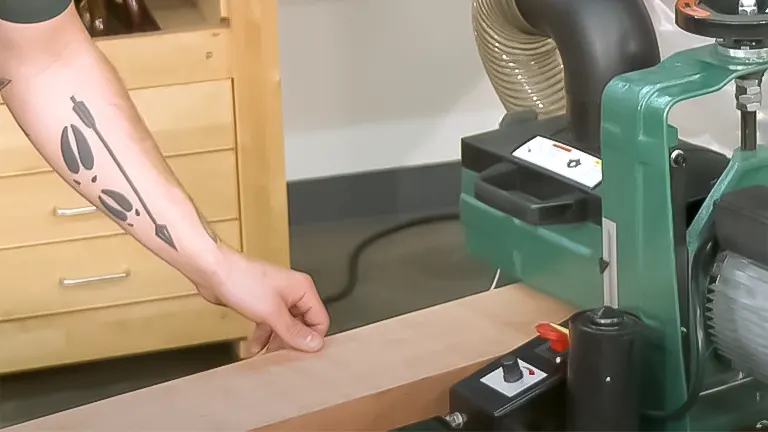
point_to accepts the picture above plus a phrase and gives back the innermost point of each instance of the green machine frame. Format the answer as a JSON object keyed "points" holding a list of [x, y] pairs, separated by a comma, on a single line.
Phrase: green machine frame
{"points": [[637, 146]]}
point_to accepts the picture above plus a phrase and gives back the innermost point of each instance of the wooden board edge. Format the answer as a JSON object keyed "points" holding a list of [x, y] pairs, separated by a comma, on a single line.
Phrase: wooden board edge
{"points": [[375, 377], [168, 58], [384, 410]]}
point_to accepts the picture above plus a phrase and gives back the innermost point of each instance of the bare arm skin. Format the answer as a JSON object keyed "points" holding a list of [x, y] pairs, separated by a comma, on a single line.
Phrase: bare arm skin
{"points": [[72, 105]]}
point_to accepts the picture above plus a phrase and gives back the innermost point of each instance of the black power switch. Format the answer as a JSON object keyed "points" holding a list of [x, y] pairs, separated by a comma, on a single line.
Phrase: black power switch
{"points": [[510, 366]]}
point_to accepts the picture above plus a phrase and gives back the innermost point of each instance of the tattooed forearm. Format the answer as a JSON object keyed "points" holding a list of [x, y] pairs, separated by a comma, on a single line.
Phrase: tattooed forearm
{"points": [[81, 158], [5, 82], [208, 228]]}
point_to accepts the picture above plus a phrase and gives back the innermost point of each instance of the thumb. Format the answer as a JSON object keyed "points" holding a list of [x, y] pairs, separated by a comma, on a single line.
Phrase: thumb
{"points": [[295, 333]]}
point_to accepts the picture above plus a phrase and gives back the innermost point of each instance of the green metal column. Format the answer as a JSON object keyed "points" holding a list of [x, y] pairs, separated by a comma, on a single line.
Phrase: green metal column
{"points": [[636, 144]]}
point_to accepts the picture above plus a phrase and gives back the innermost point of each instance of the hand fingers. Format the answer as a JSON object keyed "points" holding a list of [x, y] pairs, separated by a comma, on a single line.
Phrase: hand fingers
{"points": [[260, 338], [311, 310], [294, 332], [275, 344]]}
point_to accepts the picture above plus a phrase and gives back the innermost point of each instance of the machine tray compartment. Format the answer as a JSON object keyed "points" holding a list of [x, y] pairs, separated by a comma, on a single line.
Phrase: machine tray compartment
{"points": [[532, 196]]}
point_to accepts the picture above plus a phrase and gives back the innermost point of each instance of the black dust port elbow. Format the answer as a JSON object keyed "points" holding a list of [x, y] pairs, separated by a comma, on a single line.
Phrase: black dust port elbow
{"points": [[597, 40]]}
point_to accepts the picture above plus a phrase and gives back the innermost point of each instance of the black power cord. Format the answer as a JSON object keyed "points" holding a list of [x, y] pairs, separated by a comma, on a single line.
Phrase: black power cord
{"points": [[353, 265]]}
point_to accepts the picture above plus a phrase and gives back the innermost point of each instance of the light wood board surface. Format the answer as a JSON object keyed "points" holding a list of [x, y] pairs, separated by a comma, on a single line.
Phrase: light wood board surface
{"points": [[372, 378]]}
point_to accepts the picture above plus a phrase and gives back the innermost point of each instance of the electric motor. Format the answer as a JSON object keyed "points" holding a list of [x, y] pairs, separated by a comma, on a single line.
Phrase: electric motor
{"points": [[737, 313]]}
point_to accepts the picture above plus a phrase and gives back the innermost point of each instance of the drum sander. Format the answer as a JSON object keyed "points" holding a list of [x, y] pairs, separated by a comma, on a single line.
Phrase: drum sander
{"points": [[595, 200]]}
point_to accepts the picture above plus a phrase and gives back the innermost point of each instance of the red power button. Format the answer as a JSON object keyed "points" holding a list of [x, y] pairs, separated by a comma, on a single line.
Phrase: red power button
{"points": [[558, 339]]}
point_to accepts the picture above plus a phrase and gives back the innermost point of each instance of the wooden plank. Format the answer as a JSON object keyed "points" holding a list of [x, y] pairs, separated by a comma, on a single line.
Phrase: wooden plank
{"points": [[259, 129], [373, 378], [165, 58]]}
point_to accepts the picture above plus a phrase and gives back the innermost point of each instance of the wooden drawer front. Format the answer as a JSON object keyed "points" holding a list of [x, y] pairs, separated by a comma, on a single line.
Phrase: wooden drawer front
{"points": [[31, 202], [93, 273], [111, 332], [183, 118]]}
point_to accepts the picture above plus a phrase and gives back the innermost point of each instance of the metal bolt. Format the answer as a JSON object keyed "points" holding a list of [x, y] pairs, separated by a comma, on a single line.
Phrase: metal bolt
{"points": [[456, 420], [677, 158], [747, 7], [749, 95]]}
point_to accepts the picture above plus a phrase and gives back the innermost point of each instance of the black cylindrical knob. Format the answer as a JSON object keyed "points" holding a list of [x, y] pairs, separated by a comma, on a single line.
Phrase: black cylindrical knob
{"points": [[510, 366], [603, 371]]}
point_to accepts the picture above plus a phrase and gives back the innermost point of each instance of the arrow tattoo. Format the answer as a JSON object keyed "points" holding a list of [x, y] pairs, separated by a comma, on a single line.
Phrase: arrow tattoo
{"points": [[85, 116]]}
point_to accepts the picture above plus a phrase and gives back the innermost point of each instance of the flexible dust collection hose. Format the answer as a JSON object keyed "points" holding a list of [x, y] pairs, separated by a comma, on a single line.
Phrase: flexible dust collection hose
{"points": [[555, 55], [525, 70]]}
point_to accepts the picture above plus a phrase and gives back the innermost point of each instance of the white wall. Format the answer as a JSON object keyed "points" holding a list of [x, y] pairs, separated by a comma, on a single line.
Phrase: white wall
{"points": [[376, 84]]}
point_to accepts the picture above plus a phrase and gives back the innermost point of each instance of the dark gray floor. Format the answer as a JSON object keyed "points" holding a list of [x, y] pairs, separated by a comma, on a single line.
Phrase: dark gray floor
{"points": [[407, 271]]}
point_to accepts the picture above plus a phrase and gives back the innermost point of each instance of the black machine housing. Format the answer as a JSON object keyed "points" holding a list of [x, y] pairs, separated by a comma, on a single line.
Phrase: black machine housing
{"points": [[586, 35], [585, 32], [540, 407], [536, 196]]}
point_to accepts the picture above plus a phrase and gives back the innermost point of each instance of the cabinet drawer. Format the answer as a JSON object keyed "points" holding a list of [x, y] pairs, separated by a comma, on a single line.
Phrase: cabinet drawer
{"points": [[42, 208], [112, 332], [86, 274], [183, 118]]}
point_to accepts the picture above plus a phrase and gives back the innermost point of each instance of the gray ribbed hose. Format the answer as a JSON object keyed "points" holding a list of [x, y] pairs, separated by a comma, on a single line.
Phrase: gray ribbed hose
{"points": [[525, 70]]}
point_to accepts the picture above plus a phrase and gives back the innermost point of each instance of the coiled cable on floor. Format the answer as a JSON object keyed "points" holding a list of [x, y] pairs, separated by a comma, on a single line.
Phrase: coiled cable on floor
{"points": [[525, 70], [353, 265]]}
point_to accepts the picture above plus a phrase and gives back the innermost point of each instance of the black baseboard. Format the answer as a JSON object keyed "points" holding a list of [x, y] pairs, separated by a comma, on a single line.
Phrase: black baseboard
{"points": [[424, 189]]}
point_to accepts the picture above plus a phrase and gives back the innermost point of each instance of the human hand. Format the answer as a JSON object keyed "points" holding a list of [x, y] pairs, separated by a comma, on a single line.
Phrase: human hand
{"points": [[283, 303]]}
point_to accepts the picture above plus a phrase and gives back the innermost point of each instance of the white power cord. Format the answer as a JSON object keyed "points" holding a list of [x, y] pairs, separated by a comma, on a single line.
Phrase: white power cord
{"points": [[495, 280]]}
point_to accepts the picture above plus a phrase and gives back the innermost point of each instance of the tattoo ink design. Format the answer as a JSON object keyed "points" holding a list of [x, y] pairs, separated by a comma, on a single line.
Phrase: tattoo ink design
{"points": [[4, 83], [116, 204], [79, 157]]}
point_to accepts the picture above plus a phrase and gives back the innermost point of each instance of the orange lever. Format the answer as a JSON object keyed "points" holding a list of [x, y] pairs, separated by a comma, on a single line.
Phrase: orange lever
{"points": [[557, 336]]}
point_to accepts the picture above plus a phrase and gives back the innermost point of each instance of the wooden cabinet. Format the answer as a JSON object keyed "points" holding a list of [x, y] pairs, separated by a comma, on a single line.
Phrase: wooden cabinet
{"points": [[74, 286]]}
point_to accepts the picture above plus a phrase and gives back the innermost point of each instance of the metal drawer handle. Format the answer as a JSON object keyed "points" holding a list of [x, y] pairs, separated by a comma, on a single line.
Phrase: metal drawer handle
{"points": [[66, 282], [74, 211]]}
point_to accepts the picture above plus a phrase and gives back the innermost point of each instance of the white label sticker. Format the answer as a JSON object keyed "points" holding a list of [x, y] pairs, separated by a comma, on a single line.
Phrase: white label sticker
{"points": [[565, 160], [531, 375]]}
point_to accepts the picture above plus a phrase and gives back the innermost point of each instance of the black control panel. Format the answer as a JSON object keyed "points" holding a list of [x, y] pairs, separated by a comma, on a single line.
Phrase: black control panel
{"points": [[524, 390]]}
